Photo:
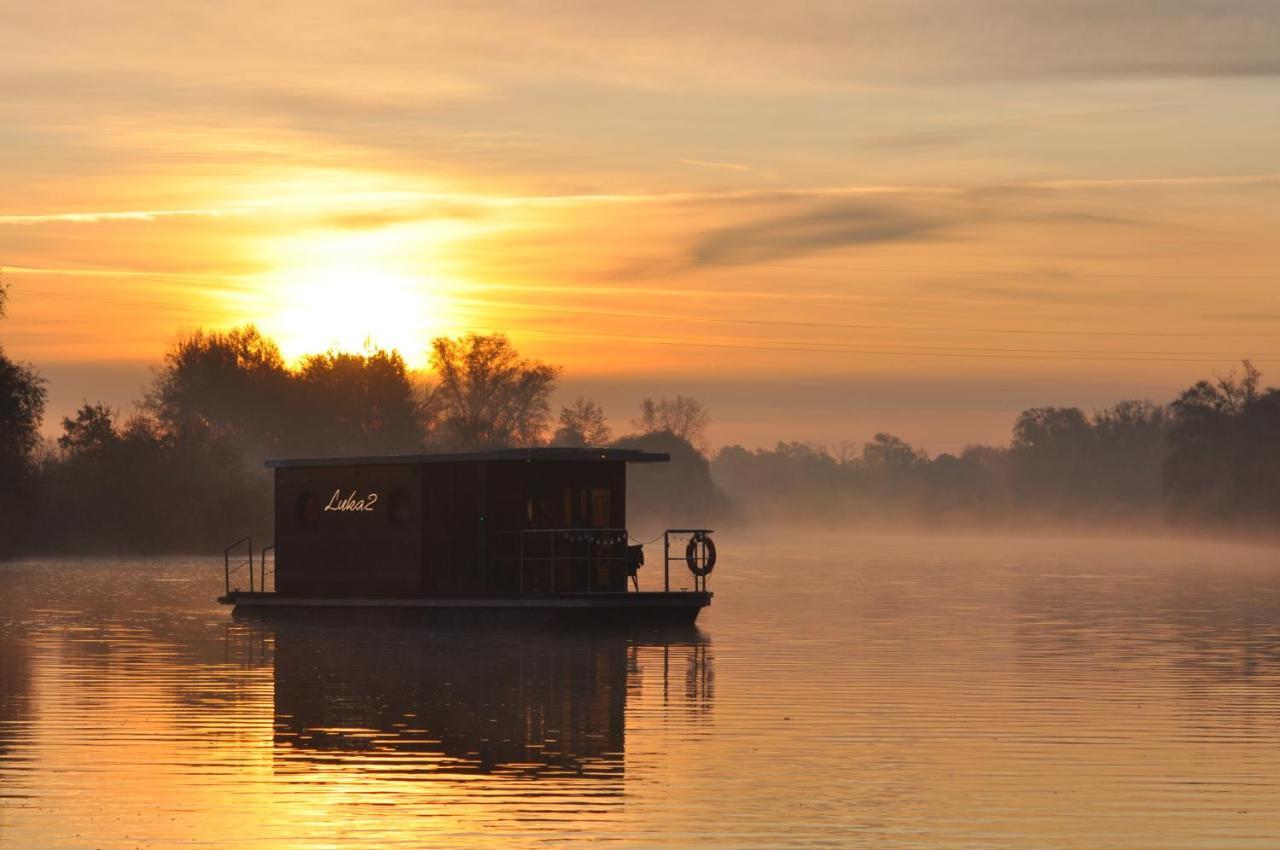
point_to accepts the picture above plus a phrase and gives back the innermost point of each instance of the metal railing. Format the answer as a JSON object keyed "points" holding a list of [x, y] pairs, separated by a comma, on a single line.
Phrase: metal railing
{"points": [[262, 568], [699, 539], [229, 570], [548, 557], [587, 549]]}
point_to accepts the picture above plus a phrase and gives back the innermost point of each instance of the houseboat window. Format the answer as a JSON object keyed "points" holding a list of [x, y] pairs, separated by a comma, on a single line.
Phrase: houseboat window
{"points": [[600, 504], [586, 507]]}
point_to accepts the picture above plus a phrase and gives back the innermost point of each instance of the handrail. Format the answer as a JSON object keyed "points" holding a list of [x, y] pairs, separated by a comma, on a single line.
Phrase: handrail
{"points": [[698, 584], [262, 569], [227, 569], [591, 536]]}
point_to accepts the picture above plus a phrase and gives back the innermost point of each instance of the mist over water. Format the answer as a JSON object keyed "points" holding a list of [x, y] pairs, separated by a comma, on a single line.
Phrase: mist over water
{"points": [[849, 690]]}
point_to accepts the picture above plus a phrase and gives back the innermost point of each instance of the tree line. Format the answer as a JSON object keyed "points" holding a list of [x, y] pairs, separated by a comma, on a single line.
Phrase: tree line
{"points": [[182, 470], [1208, 459]]}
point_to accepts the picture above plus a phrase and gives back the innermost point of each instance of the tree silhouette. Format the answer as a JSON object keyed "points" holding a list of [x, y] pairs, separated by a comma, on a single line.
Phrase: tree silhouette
{"points": [[684, 416], [1224, 452], [22, 400], [232, 385], [582, 424], [355, 404], [887, 452], [489, 396], [91, 431]]}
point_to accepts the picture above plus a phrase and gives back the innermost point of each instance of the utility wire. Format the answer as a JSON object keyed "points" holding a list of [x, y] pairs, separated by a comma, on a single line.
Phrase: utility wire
{"points": [[820, 347], [702, 317], [699, 317], [1022, 354], [687, 262]]}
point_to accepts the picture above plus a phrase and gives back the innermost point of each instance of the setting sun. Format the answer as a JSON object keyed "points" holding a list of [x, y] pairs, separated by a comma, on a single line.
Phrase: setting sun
{"points": [[343, 291]]}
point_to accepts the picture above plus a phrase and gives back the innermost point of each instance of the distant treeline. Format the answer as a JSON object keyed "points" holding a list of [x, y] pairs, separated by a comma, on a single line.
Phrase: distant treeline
{"points": [[182, 471], [1209, 459]]}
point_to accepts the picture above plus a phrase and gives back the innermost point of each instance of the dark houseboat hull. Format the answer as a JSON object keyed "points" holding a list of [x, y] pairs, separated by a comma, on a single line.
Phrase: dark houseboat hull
{"points": [[607, 609]]}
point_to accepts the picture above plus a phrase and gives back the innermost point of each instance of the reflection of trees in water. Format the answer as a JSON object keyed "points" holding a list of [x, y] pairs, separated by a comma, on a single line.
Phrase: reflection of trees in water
{"points": [[401, 700], [1215, 624], [15, 688]]}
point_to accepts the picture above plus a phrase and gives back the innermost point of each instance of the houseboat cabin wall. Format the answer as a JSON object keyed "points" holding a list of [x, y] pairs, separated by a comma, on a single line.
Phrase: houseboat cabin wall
{"points": [[448, 528]]}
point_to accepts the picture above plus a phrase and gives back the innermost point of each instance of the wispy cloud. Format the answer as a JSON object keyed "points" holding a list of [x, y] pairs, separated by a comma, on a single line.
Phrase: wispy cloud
{"points": [[116, 215], [728, 166], [367, 208], [830, 226]]}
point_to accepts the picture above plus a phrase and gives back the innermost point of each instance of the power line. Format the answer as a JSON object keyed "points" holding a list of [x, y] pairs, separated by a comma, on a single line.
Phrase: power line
{"points": [[803, 346], [842, 345], [702, 317], [995, 354], [678, 262], [692, 262]]}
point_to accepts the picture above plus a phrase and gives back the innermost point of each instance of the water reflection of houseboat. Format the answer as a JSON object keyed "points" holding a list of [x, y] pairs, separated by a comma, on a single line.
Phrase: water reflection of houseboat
{"points": [[536, 534], [408, 701]]}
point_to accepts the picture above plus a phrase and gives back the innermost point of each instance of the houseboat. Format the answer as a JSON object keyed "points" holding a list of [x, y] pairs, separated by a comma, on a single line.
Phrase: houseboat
{"points": [[529, 534]]}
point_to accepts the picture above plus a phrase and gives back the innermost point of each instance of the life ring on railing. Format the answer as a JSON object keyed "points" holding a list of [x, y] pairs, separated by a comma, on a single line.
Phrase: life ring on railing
{"points": [[700, 566]]}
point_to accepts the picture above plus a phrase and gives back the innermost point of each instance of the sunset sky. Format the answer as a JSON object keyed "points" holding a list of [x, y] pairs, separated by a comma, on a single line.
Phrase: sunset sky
{"points": [[823, 219]]}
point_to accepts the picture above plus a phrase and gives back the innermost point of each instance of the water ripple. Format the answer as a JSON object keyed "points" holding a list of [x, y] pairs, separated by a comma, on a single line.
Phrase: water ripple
{"points": [[895, 692]]}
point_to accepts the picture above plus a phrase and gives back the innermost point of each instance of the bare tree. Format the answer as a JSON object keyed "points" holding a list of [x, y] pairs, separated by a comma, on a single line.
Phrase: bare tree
{"points": [[583, 424], [489, 396], [848, 451], [1237, 394], [684, 416]]}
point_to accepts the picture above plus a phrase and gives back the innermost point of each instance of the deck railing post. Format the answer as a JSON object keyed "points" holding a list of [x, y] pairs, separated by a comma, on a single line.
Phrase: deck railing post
{"points": [[262, 566], [226, 563], [591, 549], [666, 561]]}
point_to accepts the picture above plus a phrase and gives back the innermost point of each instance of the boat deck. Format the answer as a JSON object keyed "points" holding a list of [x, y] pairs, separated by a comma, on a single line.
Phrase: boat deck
{"points": [[625, 608]]}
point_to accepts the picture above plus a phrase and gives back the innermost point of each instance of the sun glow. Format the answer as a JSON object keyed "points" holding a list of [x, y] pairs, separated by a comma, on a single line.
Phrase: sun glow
{"points": [[343, 291]]}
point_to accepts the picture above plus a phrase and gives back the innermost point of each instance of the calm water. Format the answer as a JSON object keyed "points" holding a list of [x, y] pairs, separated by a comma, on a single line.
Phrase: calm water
{"points": [[889, 692]]}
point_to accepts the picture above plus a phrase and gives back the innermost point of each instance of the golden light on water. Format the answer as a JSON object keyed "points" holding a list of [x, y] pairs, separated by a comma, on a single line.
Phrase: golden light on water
{"points": [[960, 691]]}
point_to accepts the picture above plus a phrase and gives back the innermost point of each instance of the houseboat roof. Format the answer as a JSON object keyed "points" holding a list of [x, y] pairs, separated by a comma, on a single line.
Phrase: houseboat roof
{"points": [[538, 454]]}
